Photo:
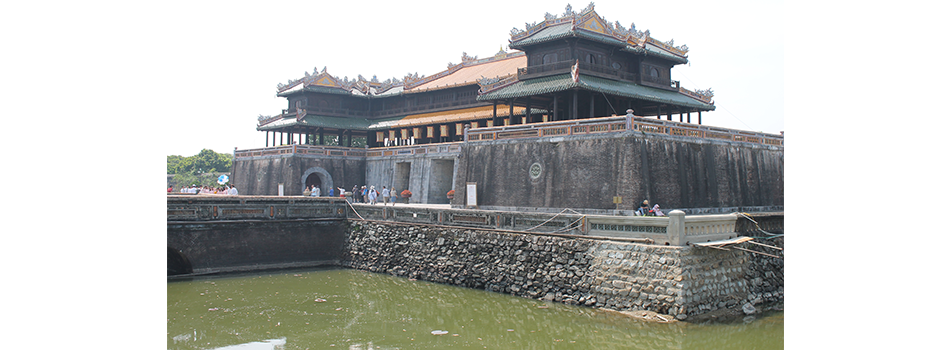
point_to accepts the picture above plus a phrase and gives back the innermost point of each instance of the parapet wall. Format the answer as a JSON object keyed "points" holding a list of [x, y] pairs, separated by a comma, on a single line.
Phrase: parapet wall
{"points": [[588, 171], [680, 281]]}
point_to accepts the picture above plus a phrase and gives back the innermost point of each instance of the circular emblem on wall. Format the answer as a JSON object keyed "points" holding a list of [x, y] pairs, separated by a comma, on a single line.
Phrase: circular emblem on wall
{"points": [[535, 171]]}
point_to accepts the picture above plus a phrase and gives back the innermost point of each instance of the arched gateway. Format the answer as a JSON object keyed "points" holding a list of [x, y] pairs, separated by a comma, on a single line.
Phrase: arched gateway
{"points": [[319, 177]]}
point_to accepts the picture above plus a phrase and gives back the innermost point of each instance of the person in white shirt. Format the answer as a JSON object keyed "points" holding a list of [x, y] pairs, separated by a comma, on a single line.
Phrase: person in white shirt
{"points": [[233, 191], [315, 192], [385, 195]]}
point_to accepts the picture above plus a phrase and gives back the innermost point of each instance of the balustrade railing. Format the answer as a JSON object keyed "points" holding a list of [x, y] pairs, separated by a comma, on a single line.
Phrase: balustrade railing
{"points": [[619, 124], [583, 67], [448, 147]]}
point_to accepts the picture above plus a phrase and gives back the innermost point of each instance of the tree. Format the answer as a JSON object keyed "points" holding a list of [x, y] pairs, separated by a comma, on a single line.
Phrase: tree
{"points": [[199, 169], [206, 161]]}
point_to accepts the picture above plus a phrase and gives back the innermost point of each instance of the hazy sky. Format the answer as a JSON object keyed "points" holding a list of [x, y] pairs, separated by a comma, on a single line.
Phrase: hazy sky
{"points": [[216, 65]]}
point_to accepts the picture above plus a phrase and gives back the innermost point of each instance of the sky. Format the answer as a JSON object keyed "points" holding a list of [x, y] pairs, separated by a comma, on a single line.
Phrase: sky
{"points": [[216, 65]]}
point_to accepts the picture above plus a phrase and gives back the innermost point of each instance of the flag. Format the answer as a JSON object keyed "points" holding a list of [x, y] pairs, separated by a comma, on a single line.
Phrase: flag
{"points": [[574, 74]]}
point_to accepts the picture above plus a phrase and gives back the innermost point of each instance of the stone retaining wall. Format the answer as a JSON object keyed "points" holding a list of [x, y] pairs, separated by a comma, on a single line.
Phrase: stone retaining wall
{"points": [[680, 281]]}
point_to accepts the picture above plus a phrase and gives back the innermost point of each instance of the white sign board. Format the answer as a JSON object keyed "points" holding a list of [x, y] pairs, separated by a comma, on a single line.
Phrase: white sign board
{"points": [[280, 189], [470, 191]]}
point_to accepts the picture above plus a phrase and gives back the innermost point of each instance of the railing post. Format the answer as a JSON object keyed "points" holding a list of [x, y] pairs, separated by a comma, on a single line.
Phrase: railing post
{"points": [[676, 231], [629, 119]]}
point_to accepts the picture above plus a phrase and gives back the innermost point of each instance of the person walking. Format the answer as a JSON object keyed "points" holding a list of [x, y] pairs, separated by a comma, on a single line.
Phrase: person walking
{"points": [[371, 193], [385, 195]]}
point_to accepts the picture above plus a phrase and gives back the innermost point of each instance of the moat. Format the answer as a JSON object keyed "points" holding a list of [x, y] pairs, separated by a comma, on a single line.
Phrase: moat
{"points": [[352, 309]]}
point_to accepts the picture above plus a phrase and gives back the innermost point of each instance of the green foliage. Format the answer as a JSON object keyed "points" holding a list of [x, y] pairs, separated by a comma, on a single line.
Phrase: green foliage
{"points": [[201, 169], [206, 161]]}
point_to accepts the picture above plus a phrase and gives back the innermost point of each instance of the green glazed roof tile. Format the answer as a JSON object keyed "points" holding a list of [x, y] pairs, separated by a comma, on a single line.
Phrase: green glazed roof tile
{"points": [[557, 83]]}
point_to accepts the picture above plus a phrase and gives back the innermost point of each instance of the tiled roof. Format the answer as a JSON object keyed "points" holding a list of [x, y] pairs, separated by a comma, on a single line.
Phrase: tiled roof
{"points": [[451, 116], [544, 85], [317, 121], [313, 88], [350, 123], [563, 31], [470, 74], [564, 82]]}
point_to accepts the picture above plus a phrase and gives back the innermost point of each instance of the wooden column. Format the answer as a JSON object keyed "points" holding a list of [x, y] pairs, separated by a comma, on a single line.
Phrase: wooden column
{"points": [[688, 116], [266, 138], [494, 112], [659, 112], [339, 139], [321, 136], [591, 104], [555, 108], [699, 116], [527, 111], [574, 106], [511, 111]]}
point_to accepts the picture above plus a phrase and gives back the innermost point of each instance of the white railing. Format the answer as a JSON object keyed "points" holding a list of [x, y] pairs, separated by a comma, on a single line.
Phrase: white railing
{"points": [[676, 229]]}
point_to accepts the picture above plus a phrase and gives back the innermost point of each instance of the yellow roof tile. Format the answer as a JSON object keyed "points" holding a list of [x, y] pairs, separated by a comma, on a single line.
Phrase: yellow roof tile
{"points": [[471, 74]]}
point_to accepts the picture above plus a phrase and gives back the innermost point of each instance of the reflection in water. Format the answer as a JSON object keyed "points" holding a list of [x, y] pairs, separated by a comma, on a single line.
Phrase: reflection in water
{"points": [[353, 309]]}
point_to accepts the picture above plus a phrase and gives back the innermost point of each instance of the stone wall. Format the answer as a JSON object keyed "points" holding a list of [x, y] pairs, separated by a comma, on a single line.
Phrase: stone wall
{"points": [[261, 175], [680, 281], [249, 245], [588, 171], [427, 176]]}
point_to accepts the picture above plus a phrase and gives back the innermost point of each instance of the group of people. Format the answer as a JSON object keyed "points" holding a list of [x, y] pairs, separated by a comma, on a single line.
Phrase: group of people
{"points": [[226, 189], [359, 194], [362, 194], [314, 191], [645, 209]]}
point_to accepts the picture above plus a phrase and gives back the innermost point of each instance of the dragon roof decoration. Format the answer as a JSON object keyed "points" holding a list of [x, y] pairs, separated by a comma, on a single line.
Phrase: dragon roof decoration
{"points": [[587, 19], [373, 86]]}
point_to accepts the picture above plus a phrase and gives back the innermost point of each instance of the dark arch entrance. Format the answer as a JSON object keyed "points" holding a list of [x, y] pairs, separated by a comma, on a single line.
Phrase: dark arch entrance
{"points": [[178, 264], [313, 180]]}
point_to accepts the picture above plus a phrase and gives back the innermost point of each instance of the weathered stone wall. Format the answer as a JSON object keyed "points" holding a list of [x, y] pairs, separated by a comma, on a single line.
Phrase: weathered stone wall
{"points": [[223, 246], [260, 176], [428, 177], [681, 281], [588, 171]]}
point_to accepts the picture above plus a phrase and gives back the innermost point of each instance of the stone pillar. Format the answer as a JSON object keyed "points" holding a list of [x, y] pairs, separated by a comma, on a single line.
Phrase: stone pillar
{"points": [[676, 231], [629, 119]]}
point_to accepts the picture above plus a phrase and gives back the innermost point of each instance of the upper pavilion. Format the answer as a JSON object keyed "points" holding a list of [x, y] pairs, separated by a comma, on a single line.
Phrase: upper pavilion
{"points": [[572, 66]]}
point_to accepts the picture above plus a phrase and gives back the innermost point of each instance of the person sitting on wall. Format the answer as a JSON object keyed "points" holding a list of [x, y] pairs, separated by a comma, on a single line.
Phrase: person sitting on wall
{"points": [[656, 210], [644, 208]]}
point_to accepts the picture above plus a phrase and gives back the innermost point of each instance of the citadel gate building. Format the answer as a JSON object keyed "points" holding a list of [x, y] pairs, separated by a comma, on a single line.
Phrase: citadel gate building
{"points": [[583, 111]]}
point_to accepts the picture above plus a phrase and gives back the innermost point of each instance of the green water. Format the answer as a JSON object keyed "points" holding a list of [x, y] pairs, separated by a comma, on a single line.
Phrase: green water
{"points": [[351, 309]]}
